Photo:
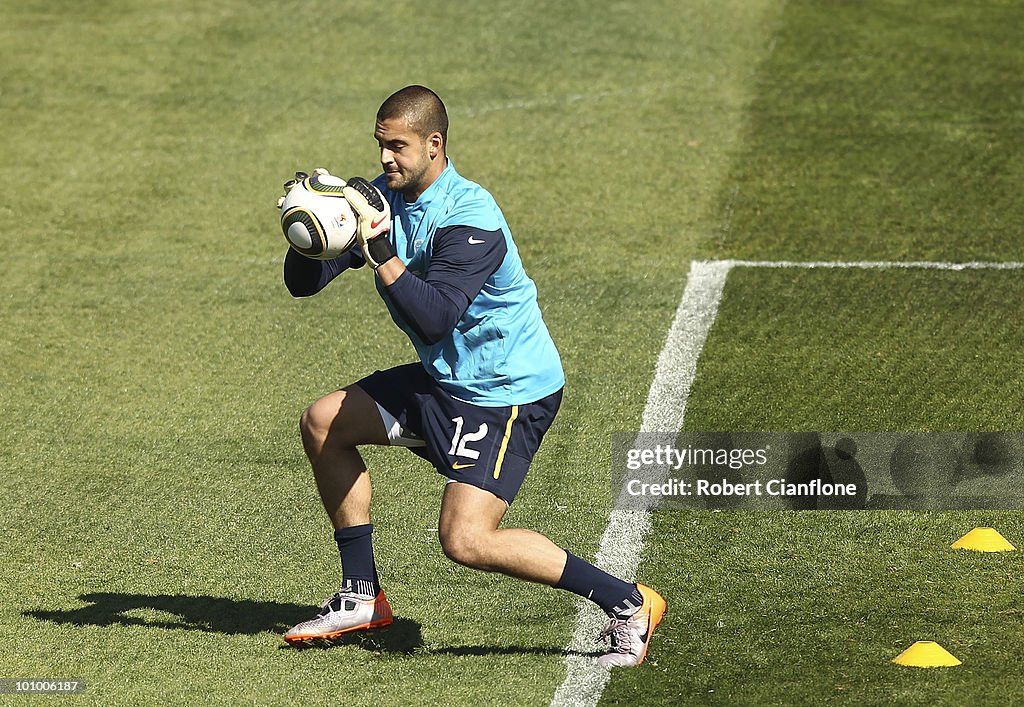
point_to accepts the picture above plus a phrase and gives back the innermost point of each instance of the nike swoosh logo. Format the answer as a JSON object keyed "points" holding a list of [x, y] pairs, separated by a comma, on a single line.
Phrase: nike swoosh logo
{"points": [[374, 224], [474, 241], [456, 466]]}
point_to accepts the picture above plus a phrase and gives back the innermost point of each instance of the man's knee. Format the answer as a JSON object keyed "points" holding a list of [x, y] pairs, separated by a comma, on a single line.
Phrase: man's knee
{"points": [[343, 419], [468, 526], [325, 422], [316, 421], [464, 547]]}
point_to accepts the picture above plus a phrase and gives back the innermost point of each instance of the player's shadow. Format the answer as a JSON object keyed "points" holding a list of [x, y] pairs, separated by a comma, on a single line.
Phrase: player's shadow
{"points": [[213, 615], [246, 617]]}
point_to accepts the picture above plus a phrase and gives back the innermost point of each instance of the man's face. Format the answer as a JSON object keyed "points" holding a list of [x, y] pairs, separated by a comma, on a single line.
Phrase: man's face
{"points": [[405, 157]]}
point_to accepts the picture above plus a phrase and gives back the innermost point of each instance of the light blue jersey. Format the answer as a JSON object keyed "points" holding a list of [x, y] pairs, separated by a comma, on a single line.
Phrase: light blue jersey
{"points": [[500, 352]]}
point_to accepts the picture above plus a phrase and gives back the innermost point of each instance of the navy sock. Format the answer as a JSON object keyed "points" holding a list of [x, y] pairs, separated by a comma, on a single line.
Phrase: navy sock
{"points": [[608, 592], [358, 570]]}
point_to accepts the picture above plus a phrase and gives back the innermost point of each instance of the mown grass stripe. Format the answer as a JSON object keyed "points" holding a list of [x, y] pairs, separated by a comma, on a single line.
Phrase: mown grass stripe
{"points": [[624, 537]]}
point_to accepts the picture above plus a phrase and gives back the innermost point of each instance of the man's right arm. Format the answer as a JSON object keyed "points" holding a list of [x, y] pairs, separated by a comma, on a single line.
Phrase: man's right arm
{"points": [[305, 276]]}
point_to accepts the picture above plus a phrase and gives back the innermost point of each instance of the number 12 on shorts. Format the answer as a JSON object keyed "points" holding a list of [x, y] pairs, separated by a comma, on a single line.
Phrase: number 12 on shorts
{"points": [[460, 441]]}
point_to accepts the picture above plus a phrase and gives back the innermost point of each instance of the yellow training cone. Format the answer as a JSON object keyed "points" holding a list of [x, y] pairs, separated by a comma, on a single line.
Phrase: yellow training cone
{"points": [[926, 654], [983, 540]]}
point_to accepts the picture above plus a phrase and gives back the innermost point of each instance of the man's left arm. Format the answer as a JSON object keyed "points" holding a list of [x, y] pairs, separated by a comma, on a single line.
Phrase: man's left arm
{"points": [[463, 258]]}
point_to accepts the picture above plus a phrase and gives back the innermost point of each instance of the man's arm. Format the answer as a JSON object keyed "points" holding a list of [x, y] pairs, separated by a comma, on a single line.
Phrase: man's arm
{"points": [[305, 276], [462, 260]]}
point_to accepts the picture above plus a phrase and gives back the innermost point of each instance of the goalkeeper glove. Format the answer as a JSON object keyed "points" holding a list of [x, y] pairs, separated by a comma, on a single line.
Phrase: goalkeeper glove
{"points": [[299, 178], [373, 216]]}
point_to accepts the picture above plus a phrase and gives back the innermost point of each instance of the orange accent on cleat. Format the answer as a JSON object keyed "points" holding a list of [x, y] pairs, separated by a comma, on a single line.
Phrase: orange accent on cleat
{"points": [[631, 637], [343, 613], [657, 607]]}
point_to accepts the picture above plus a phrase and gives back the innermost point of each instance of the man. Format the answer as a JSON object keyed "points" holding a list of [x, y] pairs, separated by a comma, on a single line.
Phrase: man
{"points": [[477, 404]]}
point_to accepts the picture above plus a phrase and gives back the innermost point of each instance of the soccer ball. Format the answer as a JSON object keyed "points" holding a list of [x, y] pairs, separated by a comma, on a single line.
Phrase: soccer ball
{"points": [[316, 219]]}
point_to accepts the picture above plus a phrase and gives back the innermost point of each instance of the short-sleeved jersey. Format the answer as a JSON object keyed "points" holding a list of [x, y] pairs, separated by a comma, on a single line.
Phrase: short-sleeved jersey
{"points": [[500, 352]]}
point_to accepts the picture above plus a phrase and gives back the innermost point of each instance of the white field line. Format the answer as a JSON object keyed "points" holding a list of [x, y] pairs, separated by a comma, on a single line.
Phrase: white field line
{"points": [[624, 537], [874, 265]]}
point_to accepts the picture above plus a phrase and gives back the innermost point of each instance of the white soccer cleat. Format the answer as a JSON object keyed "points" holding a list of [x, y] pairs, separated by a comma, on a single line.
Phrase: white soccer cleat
{"points": [[344, 612], [630, 637]]}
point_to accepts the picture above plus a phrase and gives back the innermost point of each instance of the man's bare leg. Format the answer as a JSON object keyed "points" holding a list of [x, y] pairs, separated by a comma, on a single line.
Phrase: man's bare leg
{"points": [[470, 535], [331, 428]]}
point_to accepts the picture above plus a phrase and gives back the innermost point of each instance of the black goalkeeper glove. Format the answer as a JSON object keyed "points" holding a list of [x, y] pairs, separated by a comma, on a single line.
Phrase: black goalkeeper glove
{"points": [[373, 215]]}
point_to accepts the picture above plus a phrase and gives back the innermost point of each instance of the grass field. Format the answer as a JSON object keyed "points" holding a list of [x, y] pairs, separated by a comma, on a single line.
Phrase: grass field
{"points": [[160, 526]]}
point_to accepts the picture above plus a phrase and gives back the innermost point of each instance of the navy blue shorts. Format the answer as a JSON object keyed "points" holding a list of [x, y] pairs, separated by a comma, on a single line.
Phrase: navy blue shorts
{"points": [[488, 447]]}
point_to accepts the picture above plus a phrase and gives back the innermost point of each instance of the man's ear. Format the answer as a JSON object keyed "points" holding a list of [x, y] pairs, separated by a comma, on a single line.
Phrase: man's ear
{"points": [[435, 144]]}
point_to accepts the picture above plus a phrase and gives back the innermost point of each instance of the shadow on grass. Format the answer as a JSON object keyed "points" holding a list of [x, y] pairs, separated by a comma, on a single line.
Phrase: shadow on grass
{"points": [[246, 617], [215, 615]]}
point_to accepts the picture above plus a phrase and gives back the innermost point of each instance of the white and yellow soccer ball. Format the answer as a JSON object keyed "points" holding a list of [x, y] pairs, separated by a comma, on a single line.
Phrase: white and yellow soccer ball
{"points": [[316, 219]]}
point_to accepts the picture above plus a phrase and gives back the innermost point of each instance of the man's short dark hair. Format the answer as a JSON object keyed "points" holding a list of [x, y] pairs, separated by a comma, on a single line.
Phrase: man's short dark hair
{"points": [[421, 107]]}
